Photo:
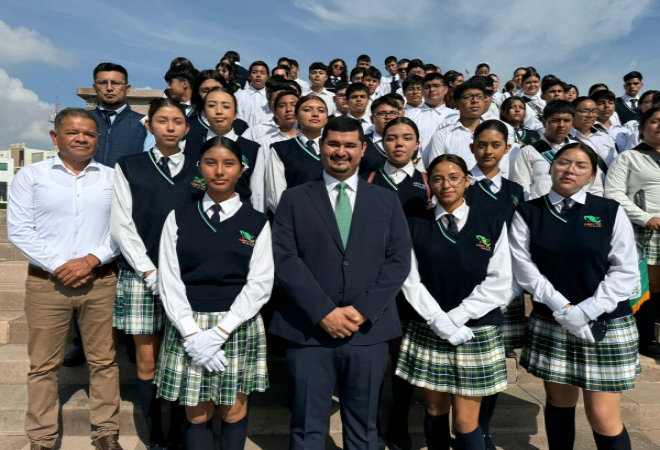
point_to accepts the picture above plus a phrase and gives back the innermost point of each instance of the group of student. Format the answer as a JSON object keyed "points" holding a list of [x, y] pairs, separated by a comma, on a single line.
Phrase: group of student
{"points": [[503, 193]]}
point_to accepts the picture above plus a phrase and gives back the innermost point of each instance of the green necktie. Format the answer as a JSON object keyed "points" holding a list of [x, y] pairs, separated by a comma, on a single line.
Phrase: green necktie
{"points": [[343, 212]]}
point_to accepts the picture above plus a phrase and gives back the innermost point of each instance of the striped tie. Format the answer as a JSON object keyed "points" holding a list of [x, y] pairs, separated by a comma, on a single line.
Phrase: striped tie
{"points": [[343, 213]]}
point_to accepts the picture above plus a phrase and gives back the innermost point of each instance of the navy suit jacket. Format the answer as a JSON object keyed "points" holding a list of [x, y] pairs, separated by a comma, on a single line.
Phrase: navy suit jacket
{"points": [[319, 275]]}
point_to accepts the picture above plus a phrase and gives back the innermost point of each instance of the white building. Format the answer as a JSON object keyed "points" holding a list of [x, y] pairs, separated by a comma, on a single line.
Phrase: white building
{"points": [[6, 176], [11, 161]]}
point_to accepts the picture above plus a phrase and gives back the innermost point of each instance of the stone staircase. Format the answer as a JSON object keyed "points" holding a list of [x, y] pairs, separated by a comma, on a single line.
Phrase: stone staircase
{"points": [[518, 420]]}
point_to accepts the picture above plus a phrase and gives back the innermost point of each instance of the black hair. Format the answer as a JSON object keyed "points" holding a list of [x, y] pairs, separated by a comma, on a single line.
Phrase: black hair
{"points": [[469, 84], [364, 58], [414, 64], [650, 92], [413, 80], [492, 125], [233, 74], [519, 68], [397, 97], [433, 76], [226, 91], [656, 98], [343, 124], [232, 54], [355, 71], [530, 72], [344, 72], [159, 103], [492, 75], [487, 81], [558, 107], [549, 82], [579, 100], [403, 61], [110, 67], [430, 68], [342, 85], [372, 72], [644, 118], [284, 93], [356, 87], [283, 58], [181, 61], [295, 86], [259, 64], [384, 100], [309, 98], [182, 73], [598, 86], [568, 87], [293, 63], [451, 76], [390, 59], [483, 64], [603, 94], [319, 66], [593, 158], [448, 157], [632, 75], [196, 99], [221, 141], [402, 121], [73, 112], [274, 83], [286, 70], [507, 104]]}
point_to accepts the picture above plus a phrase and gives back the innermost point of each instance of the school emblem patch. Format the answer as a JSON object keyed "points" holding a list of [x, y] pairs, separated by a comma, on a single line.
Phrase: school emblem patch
{"points": [[246, 238], [419, 185], [483, 243], [246, 162], [592, 222], [198, 183], [515, 200]]}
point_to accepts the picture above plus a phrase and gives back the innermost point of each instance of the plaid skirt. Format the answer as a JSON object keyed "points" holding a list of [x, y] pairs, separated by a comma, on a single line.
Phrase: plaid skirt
{"points": [[553, 354], [178, 378], [474, 369], [650, 240], [137, 310], [513, 327]]}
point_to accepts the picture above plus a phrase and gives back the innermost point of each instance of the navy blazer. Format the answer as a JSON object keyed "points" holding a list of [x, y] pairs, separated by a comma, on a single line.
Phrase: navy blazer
{"points": [[319, 275]]}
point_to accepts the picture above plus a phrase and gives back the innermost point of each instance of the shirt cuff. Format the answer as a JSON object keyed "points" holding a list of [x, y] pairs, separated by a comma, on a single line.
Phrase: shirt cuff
{"points": [[103, 254], [556, 302], [459, 316], [187, 326], [591, 308], [230, 322], [58, 263]]}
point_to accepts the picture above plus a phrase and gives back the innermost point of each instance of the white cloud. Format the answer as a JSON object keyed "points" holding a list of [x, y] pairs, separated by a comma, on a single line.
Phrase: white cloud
{"points": [[23, 117], [21, 45]]}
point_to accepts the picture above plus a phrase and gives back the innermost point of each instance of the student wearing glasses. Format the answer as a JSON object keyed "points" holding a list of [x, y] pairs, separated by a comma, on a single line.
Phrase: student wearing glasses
{"points": [[598, 139], [581, 333], [338, 74], [571, 92], [383, 110], [460, 278], [412, 91]]}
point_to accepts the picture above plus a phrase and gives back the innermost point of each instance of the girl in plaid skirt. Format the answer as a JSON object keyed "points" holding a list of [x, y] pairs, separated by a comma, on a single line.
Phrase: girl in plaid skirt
{"points": [[460, 278], [147, 187], [217, 272], [576, 255]]}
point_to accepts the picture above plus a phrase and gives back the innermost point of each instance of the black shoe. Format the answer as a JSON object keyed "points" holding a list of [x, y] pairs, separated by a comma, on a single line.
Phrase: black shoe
{"points": [[509, 353], [75, 357], [651, 350], [489, 443], [399, 440]]}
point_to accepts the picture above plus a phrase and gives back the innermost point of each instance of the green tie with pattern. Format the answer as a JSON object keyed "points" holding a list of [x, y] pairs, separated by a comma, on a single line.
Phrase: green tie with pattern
{"points": [[343, 212]]}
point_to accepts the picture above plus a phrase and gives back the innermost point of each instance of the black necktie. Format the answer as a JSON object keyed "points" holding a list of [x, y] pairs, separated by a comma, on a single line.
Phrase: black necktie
{"points": [[107, 115], [215, 217], [488, 183], [164, 166], [310, 146], [633, 103], [452, 228], [566, 206]]}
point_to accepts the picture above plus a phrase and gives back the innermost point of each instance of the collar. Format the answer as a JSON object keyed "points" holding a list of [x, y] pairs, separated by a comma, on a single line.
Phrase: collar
{"points": [[366, 119], [459, 213], [478, 175], [176, 158], [578, 133], [626, 98], [331, 182], [57, 162], [390, 170], [459, 124], [580, 197], [257, 91], [230, 135], [376, 137], [118, 110], [227, 206], [304, 140], [409, 106], [439, 109], [556, 146]]}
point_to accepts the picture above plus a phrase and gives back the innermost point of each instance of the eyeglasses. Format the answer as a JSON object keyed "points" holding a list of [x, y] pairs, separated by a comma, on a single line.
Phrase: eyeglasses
{"points": [[579, 168], [337, 66], [453, 180], [384, 114], [428, 87], [114, 84], [401, 69], [469, 97], [587, 112], [414, 89]]}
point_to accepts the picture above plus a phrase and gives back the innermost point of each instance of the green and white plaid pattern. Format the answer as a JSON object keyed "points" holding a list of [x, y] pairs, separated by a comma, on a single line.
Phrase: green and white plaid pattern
{"points": [[177, 378], [136, 311], [650, 240], [513, 327], [474, 369], [553, 354]]}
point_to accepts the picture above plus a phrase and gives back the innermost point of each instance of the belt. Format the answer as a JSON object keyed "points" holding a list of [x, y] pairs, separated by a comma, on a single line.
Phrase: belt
{"points": [[98, 272]]}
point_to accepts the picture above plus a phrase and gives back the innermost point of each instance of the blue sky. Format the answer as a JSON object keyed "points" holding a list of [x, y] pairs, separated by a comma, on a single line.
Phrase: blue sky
{"points": [[48, 49]]}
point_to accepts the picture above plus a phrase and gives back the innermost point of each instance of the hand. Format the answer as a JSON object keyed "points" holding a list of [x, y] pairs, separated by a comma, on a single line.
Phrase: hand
{"points": [[83, 281], [337, 325], [572, 317], [218, 363], [76, 269], [463, 335], [443, 326], [206, 345], [151, 280], [353, 315], [653, 223], [583, 333]]}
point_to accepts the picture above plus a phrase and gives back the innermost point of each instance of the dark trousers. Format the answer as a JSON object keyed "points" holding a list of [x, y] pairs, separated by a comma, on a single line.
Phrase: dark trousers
{"points": [[358, 371]]}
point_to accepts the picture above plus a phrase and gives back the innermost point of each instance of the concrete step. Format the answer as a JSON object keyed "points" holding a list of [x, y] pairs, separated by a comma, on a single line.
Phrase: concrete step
{"points": [[13, 327], [13, 272], [3, 233], [12, 296]]}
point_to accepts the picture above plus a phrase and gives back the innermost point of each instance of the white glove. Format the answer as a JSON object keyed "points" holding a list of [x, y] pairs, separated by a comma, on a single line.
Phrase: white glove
{"points": [[218, 363], [187, 342], [443, 326], [152, 282], [572, 317], [463, 335], [206, 345], [583, 333]]}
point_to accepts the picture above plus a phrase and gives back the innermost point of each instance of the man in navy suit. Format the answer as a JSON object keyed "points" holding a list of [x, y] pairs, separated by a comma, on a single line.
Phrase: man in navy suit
{"points": [[342, 252]]}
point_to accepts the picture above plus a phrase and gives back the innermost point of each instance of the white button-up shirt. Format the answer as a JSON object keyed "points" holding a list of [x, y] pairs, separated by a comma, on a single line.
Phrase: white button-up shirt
{"points": [[258, 178], [398, 175], [54, 215], [327, 96], [478, 175], [260, 115], [250, 99], [351, 188], [600, 141], [428, 120]]}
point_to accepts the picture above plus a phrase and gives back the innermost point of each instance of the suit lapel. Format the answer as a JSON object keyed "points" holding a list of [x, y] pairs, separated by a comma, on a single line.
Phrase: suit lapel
{"points": [[319, 195], [360, 211]]}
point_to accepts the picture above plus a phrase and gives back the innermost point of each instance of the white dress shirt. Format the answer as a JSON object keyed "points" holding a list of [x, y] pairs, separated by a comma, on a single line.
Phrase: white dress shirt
{"points": [[54, 215], [256, 132], [122, 227], [621, 135], [326, 95], [533, 110], [385, 86], [258, 178], [249, 301], [478, 175], [351, 188], [410, 109], [627, 100], [633, 134], [304, 86], [398, 175], [600, 141], [250, 99], [260, 115], [428, 120], [617, 285], [493, 292], [275, 178]]}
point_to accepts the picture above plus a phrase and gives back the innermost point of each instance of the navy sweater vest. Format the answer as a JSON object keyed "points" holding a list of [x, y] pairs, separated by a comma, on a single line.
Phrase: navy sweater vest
{"points": [[198, 128], [215, 259], [374, 157], [411, 191], [449, 268], [503, 203], [300, 164], [155, 196], [571, 250], [527, 136], [624, 112], [124, 137]]}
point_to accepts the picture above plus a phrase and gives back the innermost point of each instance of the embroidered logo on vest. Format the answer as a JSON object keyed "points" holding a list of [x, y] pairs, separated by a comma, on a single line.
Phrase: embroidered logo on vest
{"points": [[419, 185], [246, 162], [591, 221], [515, 200], [483, 243], [198, 183], [247, 238]]}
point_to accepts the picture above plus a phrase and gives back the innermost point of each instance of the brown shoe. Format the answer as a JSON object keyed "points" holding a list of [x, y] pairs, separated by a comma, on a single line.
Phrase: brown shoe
{"points": [[39, 447], [108, 442]]}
